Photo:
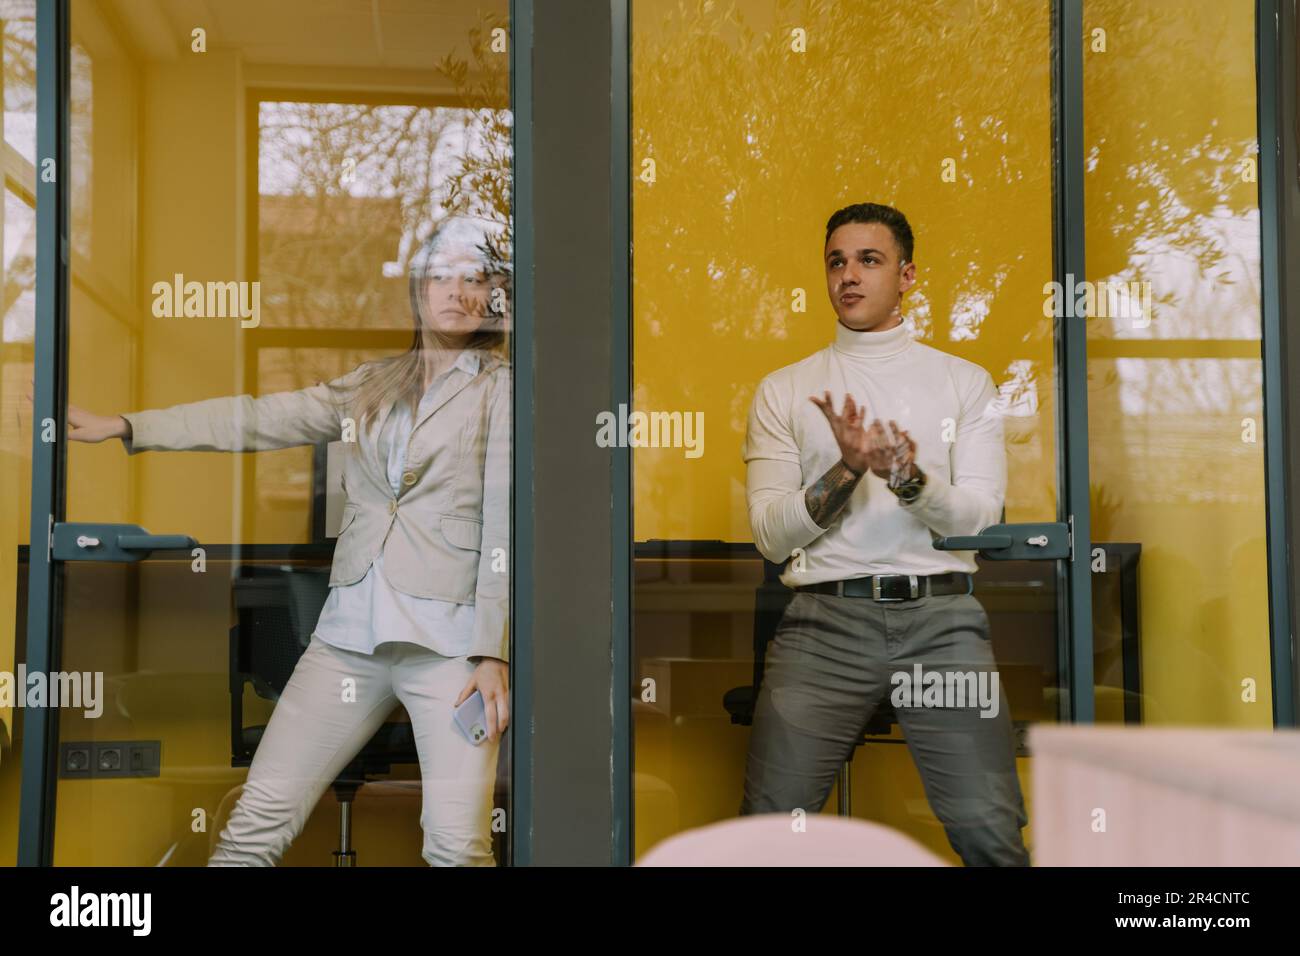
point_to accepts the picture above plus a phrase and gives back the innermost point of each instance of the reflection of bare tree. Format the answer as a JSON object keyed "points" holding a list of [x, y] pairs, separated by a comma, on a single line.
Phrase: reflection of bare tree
{"points": [[18, 21], [482, 183], [343, 186], [755, 146], [20, 271], [19, 56], [348, 190], [1170, 129], [789, 121], [745, 137], [1158, 166], [19, 50]]}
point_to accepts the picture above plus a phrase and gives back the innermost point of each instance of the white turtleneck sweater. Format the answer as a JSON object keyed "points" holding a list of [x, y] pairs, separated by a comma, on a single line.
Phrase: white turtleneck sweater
{"points": [[945, 404]]}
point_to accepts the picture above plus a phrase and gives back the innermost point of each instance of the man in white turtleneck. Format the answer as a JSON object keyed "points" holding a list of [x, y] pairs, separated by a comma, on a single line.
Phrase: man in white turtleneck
{"points": [[852, 500]]}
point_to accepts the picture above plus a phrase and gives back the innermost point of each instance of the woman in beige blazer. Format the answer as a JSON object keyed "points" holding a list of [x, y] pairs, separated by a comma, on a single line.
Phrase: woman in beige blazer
{"points": [[419, 597]]}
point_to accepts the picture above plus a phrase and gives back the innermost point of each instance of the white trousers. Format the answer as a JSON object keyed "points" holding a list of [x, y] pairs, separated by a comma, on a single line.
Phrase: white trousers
{"points": [[334, 703]]}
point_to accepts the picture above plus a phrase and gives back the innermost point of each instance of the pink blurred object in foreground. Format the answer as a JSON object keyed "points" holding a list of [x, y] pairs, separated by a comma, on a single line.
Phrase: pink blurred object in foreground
{"points": [[1110, 795], [769, 839]]}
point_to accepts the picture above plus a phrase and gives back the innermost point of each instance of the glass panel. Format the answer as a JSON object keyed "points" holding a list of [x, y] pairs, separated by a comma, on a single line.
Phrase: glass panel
{"points": [[1175, 375], [18, 23], [752, 124], [267, 210]]}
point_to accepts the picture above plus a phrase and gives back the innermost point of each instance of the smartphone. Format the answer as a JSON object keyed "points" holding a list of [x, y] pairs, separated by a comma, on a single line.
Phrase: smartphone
{"points": [[471, 718]]}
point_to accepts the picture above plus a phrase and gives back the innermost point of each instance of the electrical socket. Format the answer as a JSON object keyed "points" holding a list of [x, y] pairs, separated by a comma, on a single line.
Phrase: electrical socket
{"points": [[88, 759]]}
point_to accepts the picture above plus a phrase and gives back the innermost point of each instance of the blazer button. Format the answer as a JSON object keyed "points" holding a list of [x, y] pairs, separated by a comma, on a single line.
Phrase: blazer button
{"points": [[392, 507], [408, 478]]}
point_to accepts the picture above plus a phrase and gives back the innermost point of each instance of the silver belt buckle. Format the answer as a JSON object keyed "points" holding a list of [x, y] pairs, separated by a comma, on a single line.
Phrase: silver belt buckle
{"points": [[913, 588]]}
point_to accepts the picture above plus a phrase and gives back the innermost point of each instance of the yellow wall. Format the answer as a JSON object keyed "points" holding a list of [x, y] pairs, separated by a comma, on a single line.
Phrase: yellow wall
{"points": [[755, 146]]}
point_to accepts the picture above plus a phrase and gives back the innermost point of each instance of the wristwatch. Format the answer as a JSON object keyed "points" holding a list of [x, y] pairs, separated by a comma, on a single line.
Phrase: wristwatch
{"points": [[910, 489]]}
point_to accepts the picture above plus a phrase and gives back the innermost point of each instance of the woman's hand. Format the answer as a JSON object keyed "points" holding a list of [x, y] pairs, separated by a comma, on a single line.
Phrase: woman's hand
{"points": [[89, 427], [491, 678]]}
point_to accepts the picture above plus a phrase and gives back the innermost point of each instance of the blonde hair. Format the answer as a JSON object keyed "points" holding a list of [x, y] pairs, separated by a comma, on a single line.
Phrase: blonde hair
{"points": [[400, 378]]}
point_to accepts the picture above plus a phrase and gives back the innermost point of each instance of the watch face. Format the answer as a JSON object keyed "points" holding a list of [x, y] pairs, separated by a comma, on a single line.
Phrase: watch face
{"points": [[909, 490]]}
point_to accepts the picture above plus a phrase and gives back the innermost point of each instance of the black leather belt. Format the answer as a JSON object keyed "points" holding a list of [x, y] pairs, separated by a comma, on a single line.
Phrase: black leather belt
{"points": [[896, 587]]}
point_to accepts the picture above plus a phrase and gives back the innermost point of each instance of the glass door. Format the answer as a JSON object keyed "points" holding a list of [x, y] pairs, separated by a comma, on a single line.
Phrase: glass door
{"points": [[265, 204], [1175, 364], [1099, 256], [17, 360], [753, 126]]}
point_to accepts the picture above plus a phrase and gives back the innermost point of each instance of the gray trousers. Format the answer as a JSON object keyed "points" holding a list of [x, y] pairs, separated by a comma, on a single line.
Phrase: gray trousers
{"points": [[834, 660]]}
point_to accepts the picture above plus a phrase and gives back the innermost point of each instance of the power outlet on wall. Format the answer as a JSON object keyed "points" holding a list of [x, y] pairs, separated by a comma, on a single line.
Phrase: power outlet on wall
{"points": [[110, 758]]}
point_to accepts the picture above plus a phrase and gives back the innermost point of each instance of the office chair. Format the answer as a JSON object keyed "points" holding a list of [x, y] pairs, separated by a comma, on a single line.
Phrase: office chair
{"points": [[277, 609], [770, 600]]}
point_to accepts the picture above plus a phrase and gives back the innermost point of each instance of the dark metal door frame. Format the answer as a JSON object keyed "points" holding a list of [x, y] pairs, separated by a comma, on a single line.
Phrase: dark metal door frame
{"points": [[1074, 581], [1274, 62], [49, 403]]}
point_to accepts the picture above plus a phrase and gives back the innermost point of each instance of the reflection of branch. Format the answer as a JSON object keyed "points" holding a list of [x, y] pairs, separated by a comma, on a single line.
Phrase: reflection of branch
{"points": [[20, 66], [705, 230], [722, 157], [405, 158], [482, 186], [321, 240]]}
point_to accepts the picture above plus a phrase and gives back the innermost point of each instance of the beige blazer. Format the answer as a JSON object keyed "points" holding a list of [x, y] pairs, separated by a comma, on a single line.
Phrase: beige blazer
{"points": [[445, 535]]}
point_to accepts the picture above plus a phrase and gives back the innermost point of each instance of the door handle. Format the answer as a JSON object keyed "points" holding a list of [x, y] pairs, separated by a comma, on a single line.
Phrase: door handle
{"points": [[91, 541], [1013, 542]]}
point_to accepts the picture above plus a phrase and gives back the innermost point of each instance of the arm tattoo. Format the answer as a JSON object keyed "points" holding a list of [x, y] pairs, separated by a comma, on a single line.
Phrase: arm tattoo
{"points": [[827, 496]]}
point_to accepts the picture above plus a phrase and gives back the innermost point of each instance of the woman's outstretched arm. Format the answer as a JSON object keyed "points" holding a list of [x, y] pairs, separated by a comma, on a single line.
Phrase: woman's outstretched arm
{"points": [[307, 416]]}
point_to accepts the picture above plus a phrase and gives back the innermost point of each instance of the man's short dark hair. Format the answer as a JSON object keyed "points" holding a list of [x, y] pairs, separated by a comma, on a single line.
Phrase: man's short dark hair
{"points": [[866, 212]]}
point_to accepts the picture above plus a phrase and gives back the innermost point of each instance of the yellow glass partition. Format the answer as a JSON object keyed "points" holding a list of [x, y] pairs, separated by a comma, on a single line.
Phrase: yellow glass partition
{"points": [[1175, 371], [752, 123]]}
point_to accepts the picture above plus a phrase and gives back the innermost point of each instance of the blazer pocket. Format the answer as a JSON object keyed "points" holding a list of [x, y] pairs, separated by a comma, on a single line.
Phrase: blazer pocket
{"points": [[349, 516], [464, 533]]}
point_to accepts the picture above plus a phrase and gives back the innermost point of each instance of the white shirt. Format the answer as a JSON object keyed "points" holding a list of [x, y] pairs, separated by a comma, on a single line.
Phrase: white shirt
{"points": [[361, 616], [946, 404]]}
